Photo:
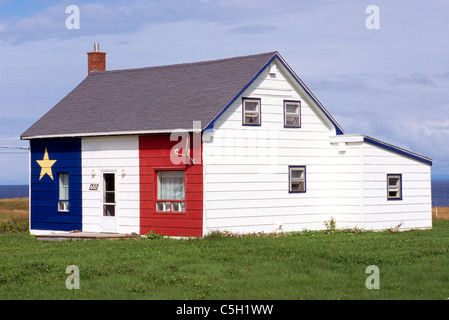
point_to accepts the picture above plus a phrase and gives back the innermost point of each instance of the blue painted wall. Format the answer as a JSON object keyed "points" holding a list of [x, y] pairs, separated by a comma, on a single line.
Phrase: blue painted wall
{"points": [[45, 191]]}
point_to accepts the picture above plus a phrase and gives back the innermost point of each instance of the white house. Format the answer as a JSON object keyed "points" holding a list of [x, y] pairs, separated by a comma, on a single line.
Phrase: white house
{"points": [[237, 144]]}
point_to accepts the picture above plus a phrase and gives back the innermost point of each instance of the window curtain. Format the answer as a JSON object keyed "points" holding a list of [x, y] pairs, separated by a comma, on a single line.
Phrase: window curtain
{"points": [[171, 185], [63, 186]]}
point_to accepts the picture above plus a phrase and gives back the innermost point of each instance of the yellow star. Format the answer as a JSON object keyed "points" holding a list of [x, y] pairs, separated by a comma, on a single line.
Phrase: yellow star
{"points": [[46, 165]]}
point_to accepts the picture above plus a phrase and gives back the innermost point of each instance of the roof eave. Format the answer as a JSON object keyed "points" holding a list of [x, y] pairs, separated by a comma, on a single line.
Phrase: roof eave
{"points": [[103, 134], [398, 150]]}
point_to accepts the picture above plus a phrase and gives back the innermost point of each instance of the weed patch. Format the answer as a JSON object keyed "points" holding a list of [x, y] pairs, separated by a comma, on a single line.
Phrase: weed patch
{"points": [[14, 215]]}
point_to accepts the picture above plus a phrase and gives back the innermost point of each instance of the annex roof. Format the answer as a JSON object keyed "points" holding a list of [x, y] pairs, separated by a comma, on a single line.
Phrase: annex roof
{"points": [[156, 99], [381, 144]]}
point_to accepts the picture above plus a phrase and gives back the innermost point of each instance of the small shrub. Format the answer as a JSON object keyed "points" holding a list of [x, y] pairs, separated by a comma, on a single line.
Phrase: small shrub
{"points": [[216, 234], [14, 224], [153, 236], [352, 230], [394, 229], [331, 225]]}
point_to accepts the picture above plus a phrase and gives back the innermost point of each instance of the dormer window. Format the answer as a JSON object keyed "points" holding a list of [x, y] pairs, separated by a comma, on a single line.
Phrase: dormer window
{"points": [[251, 112]]}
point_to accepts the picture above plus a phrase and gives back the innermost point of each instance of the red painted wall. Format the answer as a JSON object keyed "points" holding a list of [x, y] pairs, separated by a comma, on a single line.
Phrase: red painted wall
{"points": [[154, 153]]}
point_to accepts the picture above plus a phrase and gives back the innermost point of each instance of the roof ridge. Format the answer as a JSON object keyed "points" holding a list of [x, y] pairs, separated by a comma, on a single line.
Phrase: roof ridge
{"points": [[177, 65], [153, 94]]}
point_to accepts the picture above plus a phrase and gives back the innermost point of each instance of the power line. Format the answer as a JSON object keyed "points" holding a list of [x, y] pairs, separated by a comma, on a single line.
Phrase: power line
{"points": [[15, 148], [13, 152]]}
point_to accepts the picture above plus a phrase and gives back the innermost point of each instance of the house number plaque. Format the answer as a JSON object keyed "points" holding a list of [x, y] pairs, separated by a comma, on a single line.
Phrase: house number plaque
{"points": [[93, 186]]}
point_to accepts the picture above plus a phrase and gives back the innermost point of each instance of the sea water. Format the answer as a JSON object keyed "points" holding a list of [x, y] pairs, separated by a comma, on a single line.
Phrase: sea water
{"points": [[13, 191], [440, 192]]}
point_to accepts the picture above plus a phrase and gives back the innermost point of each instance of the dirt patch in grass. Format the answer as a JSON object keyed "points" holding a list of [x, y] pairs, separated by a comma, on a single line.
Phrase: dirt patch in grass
{"points": [[440, 213]]}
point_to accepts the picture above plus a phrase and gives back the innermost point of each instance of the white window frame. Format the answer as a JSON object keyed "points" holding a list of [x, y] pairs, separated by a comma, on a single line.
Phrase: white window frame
{"points": [[296, 114], [300, 180], [170, 205], [63, 198], [395, 188], [251, 113]]}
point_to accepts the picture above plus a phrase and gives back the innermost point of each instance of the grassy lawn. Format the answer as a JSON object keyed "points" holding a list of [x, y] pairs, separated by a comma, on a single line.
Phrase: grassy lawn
{"points": [[311, 265]]}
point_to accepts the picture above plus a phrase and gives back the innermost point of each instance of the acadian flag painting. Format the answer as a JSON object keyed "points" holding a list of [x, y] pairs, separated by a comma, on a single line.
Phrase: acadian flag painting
{"points": [[56, 185]]}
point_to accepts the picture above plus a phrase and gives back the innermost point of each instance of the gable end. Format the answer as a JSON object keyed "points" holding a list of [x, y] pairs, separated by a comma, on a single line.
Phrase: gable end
{"points": [[397, 150], [338, 129]]}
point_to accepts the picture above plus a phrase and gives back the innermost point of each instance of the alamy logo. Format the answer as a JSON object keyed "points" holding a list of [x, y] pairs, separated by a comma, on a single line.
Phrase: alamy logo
{"points": [[73, 20], [372, 281], [373, 20], [73, 280]]}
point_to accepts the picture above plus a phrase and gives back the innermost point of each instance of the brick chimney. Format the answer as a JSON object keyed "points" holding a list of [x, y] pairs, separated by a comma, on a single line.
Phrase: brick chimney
{"points": [[96, 60]]}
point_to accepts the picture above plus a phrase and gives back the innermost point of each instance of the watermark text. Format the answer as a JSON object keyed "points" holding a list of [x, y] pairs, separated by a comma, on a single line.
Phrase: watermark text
{"points": [[373, 20], [73, 20]]}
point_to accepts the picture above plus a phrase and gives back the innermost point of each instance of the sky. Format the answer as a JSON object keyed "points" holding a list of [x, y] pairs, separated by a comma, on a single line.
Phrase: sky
{"points": [[382, 71]]}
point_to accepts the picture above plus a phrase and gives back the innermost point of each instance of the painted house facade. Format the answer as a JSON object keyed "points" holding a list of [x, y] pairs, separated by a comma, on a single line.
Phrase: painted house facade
{"points": [[238, 144]]}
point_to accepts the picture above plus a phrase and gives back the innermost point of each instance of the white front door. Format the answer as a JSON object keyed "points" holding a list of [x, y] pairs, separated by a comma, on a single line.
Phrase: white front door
{"points": [[109, 218]]}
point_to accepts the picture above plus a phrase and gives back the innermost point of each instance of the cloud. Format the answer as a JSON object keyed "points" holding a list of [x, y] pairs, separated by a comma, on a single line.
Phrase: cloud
{"points": [[13, 162], [409, 110], [3, 26], [438, 125], [372, 81], [14, 166], [50, 23], [40, 24], [443, 75], [412, 79], [106, 17], [253, 29], [342, 82]]}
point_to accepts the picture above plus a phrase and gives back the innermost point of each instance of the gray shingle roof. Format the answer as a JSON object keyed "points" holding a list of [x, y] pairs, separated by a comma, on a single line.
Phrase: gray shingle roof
{"points": [[149, 99]]}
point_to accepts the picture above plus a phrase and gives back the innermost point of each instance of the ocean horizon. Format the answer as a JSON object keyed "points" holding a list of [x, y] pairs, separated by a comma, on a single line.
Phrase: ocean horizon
{"points": [[14, 191], [440, 192]]}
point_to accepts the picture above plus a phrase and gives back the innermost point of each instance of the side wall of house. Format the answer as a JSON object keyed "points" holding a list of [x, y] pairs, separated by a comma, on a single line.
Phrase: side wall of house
{"points": [[156, 154], [118, 155], [247, 167], [415, 207], [65, 158]]}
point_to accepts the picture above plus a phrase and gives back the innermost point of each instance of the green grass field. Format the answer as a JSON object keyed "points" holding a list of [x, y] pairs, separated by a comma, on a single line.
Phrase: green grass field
{"points": [[412, 265], [308, 265]]}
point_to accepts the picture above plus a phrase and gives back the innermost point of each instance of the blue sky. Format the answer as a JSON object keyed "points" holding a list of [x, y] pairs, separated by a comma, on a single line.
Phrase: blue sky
{"points": [[390, 83]]}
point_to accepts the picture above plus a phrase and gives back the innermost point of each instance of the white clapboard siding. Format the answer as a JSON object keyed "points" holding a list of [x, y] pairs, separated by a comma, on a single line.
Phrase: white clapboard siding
{"points": [[246, 167], [119, 155], [246, 171], [414, 210]]}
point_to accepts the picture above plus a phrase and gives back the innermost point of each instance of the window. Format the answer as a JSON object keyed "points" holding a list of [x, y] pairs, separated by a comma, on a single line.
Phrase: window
{"points": [[251, 112], [109, 194], [394, 186], [63, 203], [292, 114], [170, 191], [297, 179]]}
